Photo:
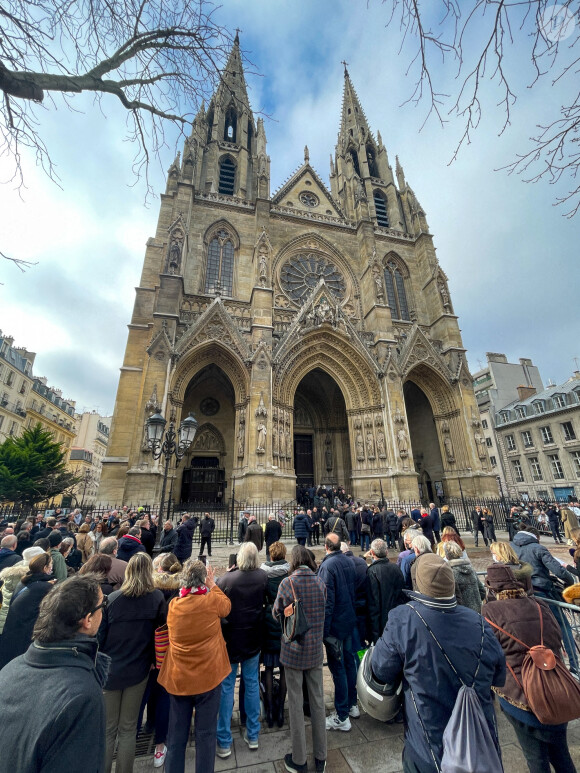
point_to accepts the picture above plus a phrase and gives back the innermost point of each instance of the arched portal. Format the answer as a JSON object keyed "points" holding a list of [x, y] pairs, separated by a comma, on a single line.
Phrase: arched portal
{"points": [[208, 464], [321, 443], [424, 442]]}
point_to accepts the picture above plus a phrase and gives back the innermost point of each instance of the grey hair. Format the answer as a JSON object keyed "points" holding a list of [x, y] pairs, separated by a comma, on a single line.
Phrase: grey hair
{"points": [[194, 573], [68, 541], [247, 557], [410, 535], [344, 548], [452, 550], [108, 546], [422, 544], [379, 548]]}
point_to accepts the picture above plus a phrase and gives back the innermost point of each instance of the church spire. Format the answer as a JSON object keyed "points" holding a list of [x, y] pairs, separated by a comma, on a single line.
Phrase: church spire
{"points": [[232, 81], [353, 117]]}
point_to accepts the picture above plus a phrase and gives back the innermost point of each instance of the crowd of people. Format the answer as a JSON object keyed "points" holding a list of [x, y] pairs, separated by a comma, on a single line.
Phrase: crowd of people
{"points": [[151, 632]]}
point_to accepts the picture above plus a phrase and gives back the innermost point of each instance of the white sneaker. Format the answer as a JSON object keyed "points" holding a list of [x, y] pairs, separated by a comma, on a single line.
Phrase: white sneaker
{"points": [[354, 712], [159, 758], [334, 723]]}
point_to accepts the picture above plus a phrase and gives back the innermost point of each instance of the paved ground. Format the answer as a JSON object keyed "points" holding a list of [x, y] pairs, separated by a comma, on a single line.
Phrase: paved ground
{"points": [[371, 746]]}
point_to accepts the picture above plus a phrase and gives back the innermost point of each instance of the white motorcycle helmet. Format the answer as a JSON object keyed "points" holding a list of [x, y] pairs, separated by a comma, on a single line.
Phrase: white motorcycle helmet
{"points": [[380, 701]]}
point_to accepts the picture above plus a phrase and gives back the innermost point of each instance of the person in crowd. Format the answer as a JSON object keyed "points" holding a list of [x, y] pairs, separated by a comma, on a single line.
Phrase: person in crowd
{"points": [[52, 711], [315, 519], [185, 533], [478, 523], [130, 544], [245, 586], [378, 524], [276, 569], [23, 540], [99, 565], [450, 535], [416, 514], [359, 634], [10, 576], [117, 573], [392, 528], [469, 590], [570, 523], [436, 624], [384, 589], [554, 523], [206, 529], [166, 575], [338, 573], [503, 553], [272, 533], [59, 568], [302, 660], [85, 543], [243, 525], [8, 554], [435, 515], [527, 548], [420, 545], [127, 635], [24, 607], [531, 621], [99, 533], [169, 538], [405, 524], [50, 527], [194, 667], [351, 526], [448, 519], [366, 524], [301, 527], [72, 556], [334, 524], [147, 536], [254, 533], [489, 526], [426, 524]]}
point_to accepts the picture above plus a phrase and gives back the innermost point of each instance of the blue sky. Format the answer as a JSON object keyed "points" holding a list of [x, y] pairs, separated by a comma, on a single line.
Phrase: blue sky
{"points": [[511, 258]]}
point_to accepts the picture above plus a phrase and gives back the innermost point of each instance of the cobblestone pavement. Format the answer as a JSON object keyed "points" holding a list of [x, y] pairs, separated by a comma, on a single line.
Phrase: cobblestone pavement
{"points": [[371, 746]]}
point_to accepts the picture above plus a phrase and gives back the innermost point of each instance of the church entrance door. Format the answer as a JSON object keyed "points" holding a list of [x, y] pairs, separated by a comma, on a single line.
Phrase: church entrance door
{"points": [[303, 460], [424, 441]]}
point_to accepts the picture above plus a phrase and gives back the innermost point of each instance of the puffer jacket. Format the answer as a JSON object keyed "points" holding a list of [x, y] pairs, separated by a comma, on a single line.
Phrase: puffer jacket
{"points": [[338, 573], [301, 526], [276, 571], [469, 589], [528, 549], [10, 577]]}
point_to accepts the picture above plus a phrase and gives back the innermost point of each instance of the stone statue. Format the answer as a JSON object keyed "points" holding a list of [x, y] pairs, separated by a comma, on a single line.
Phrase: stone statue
{"points": [[263, 269], [381, 446], [359, 191], [443, 292], [378, 284], [449, 449], [370, 445], [398, 416], [261, 438], [288, 444], [241, 439], [275, 440], [360, 447], [324, 311], [480, 441], [403, 443], [328, 454]]}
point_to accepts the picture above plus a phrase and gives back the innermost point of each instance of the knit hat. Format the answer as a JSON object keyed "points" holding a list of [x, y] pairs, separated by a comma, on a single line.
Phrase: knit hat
{"points": [[54, 539], [434, 577], [30, 553]]}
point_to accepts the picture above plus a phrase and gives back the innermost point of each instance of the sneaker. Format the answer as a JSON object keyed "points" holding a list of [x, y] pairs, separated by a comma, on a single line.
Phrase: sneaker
{"points": [[354, 712], [253, 745], [292, 767], [223, 751], [334, 723], [159, 758], [319, 765]]}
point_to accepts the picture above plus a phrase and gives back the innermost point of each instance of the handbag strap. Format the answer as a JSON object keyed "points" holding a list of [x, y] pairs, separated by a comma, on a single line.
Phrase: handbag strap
{"points": [[293, 590]]}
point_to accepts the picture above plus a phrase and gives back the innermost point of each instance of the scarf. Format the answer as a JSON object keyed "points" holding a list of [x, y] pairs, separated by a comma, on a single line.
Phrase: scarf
{"points": [[201, 591]]}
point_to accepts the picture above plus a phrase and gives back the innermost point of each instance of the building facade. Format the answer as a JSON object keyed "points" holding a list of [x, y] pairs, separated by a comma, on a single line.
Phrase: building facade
{"points": [[539, 436], [16, 382], [87, 454], [498, 384], [311, 331]]}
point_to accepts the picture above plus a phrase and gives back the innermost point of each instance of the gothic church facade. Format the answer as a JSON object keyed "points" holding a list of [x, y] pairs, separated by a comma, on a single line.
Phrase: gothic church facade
{"points": [[311, 332]]}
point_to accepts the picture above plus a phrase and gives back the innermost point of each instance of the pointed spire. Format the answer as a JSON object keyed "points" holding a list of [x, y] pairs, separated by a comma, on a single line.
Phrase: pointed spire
{"points": [[353, 117], [233, 83], [332, 168], [400, 174], [306, 155], [379, 139]]}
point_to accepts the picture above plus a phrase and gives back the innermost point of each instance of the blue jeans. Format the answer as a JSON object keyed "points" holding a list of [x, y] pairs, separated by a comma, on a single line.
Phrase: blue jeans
{"points": [[344, 677], [353, 537], [251, 702], [365, 539]]}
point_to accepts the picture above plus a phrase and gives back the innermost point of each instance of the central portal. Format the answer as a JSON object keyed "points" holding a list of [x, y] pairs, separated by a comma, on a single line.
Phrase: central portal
{"points": [[321, 445]]}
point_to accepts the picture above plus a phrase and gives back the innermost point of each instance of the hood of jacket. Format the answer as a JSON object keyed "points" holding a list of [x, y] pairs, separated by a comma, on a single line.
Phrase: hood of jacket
{"points": [[276, 568], [524, 538], [166, 581], [80, 652], [461, 565], [12, 575]]}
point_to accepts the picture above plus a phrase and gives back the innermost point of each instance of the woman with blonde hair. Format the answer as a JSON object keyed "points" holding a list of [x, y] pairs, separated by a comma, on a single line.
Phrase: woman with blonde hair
{"points": [[503, 553], [127, 636], [85, 543], [450, 535]]}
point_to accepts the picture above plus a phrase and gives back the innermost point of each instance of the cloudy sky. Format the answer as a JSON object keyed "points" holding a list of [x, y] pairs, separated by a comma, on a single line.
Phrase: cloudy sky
{"points": [[510, 255]]}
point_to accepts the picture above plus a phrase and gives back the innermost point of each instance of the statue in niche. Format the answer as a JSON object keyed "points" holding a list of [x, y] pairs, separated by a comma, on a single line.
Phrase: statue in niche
{"points": [[360, 447], [370, 445], [398, 416], [324, 311], [378, 283], [263, 268], [443, 292], [261, 429], [449, 449], [288, 443], [174, 257], [282, 443], [403, 443], [480, 443], [328, 453], [381, 445], [275, 440], [241, 439]]}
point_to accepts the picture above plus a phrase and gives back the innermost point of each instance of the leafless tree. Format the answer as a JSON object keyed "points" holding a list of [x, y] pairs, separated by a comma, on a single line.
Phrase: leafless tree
{"points": [[489, 40]]}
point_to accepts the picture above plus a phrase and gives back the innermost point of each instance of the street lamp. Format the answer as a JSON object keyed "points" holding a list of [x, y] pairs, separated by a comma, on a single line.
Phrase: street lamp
{"points": [[168, 444]]}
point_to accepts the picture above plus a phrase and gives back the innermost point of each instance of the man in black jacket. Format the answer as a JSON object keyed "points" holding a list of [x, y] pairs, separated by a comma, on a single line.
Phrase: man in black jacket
{"points": [[168, 538], [254, 533], [8, 556], [206, 529], [385, 585], [272, 533], [52, 711], [185, 532]]}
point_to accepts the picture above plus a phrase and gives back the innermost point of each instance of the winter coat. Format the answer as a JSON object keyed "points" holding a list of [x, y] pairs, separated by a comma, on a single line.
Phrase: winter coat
{"points": [[22, 615], [338, 573], [406, 648], [59, 569], [569, 521], [335, 524], [127, 635], [351, 523], [168, 541], [52, 711], [207, 527], [242, 628], [520, 617], [392, 522], [185, 532], [448, 519], [255, 534], [426, 524], [196, 660], [148, 540], [543, 562], [116, 573], [360, 585], [272, 532], [434, 513], [8, 558], [10, 576], [242, 527], [276, 571], [469, 590], [168, 584], [301, 526], [128, 547], [384, 592], [377, 526]]}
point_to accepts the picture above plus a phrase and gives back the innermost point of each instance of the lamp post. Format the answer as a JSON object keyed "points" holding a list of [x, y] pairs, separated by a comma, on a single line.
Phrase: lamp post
{"points": [[168, 444]]}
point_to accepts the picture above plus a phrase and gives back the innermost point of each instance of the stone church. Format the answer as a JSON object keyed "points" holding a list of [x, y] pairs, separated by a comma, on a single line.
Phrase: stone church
{"points": [[311, 332]]}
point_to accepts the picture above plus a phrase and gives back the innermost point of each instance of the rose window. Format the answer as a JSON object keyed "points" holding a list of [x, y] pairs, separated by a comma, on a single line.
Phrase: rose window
{"points": [[302, 273]]}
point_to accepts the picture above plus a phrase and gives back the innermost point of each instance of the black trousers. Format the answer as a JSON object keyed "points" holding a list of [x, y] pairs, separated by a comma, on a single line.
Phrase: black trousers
{"points": [[205, 541], [479, 528], [555, 532], [316, 533], [542, 746], [206, 712]]}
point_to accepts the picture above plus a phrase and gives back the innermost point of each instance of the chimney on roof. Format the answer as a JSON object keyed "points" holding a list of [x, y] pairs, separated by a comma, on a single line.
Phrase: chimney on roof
{"points": [[526, 391]]}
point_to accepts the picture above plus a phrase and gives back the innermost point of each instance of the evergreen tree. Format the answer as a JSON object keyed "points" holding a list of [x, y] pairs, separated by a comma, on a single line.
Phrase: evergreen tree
{"points": [[33, 468]]}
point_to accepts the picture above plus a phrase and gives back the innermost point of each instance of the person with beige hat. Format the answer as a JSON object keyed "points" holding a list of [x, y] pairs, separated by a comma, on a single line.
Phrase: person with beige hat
{"points": [[425, 642]]}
